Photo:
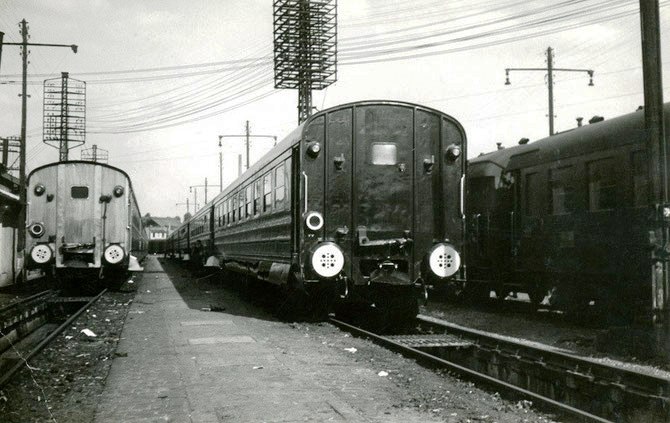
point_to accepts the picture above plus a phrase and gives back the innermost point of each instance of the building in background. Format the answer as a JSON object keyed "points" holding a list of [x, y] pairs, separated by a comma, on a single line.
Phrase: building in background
{"points": [[157, 230]]}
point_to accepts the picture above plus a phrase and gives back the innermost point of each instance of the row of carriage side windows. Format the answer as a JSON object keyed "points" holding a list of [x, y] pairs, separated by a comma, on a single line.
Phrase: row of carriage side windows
{"points": [[604, 187], [264, 195]]}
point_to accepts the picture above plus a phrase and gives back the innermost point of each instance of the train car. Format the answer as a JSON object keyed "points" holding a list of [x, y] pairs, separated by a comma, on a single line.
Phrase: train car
{"points": [[83, 223], [567, 219], [362, 201]]}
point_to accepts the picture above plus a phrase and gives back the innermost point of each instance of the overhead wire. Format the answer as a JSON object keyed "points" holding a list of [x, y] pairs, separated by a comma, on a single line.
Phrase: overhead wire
{"points": [[184, 107]]}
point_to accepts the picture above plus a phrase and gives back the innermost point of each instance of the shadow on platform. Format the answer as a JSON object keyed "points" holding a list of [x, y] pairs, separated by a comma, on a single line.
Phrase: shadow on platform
{"points": [[221, 292]]}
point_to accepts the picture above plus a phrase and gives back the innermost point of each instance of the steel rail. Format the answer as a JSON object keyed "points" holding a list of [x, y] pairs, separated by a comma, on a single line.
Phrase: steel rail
{"points": [[550, 356], [471, 373], [5, 378], [23, 301]]}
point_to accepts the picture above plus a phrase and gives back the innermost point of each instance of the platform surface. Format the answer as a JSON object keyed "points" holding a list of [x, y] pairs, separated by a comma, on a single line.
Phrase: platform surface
{"points": [[186, 364]]}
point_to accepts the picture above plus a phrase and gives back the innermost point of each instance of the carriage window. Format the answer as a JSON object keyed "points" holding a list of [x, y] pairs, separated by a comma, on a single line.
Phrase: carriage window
{"points": [[79, 192], [562, 192], [224, 212], [240, 205], [267, 192], [234, 207], [602, 185], [533, 195], [382, 153], [257, 197], [640, 179], [280, 188], [250, 197]]}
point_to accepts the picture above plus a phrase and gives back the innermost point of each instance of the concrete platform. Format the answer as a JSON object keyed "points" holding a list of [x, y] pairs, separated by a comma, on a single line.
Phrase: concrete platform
{"points": [[184, 364]]}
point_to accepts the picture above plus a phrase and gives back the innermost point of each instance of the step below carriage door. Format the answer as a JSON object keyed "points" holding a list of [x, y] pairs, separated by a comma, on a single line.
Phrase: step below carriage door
{"points": [[383, 182]]}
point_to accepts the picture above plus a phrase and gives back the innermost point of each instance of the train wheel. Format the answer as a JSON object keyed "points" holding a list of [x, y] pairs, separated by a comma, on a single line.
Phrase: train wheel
{"points": [[476, 293], [536, 295], [115, 280]]}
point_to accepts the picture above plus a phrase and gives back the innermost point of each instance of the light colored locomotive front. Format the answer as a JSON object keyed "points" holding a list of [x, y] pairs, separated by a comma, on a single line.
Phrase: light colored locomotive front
{"points": [[81, 216]]}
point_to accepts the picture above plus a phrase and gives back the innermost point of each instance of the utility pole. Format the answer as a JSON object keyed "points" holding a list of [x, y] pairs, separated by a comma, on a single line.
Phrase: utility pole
{"points": [[63, 150], [246, 144], [247, 135], [24, 106], [2, 36], [657, 151], [550, 69], [188, 207], [195, 193]]}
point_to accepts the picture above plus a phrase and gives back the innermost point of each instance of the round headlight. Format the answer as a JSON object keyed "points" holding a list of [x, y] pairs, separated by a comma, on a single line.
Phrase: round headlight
{"points": [[453, 152], [444, 260], [114, 254], [314, 220], [39, 189], [41, 254], [327, 260], [36, 229], [118, 191], [314, 149]]}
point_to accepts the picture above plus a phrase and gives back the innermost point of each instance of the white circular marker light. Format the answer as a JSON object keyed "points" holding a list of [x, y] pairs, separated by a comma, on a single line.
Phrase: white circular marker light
{"points": [[41, 254], [327, 260], [114, 254], [314, 221], [444, 260]]}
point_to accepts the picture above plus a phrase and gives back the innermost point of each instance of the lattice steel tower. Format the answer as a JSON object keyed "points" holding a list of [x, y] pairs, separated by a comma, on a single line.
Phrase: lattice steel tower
{"points": [[95, 154], [64, 113], [305, 48]]}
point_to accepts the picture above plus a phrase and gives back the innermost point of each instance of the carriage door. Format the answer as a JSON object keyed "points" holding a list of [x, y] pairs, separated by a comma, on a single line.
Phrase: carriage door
{"points": [[382, 187], [338, 199], [77, 186]]}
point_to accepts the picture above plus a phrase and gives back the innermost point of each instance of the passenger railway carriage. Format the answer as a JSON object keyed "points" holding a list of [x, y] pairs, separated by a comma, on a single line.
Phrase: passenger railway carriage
{"points": [[568, 217], [83, 222], [364, 200]]}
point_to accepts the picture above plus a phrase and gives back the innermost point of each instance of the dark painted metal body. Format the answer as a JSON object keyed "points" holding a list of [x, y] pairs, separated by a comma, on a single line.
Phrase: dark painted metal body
{"points": [[378, 174], [569, 213]]}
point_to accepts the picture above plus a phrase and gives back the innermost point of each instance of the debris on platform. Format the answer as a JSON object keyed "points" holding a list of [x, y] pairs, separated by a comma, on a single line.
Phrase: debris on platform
{"points": [[351, 350], [88, 332], [258, 367], [382, 373]]}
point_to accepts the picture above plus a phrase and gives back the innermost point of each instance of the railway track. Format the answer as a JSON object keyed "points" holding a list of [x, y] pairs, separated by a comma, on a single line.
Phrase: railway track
{"points": [[19, 319], [572, 385]]}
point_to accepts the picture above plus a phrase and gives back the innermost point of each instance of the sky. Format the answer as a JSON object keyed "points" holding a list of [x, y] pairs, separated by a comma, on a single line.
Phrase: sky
{"points": [[164, 78]]}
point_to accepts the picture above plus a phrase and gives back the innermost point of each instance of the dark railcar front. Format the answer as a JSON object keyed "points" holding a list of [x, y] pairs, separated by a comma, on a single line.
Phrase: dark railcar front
{"points": [[381, 208]]}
